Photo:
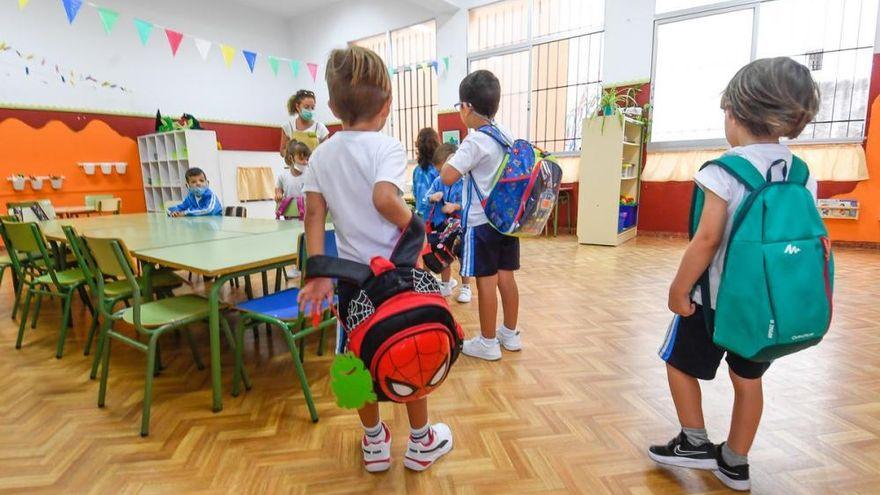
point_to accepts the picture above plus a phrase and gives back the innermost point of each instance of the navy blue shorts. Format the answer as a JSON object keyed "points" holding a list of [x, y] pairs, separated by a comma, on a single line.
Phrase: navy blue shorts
{"points": [[485, 251], [689, 348]]}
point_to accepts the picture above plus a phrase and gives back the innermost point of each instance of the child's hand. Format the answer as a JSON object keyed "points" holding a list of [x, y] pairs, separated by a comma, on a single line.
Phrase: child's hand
{"points": [[176, 214], [315, 293], [680, 303], [449, 208], [278, 197], [437, 196]]}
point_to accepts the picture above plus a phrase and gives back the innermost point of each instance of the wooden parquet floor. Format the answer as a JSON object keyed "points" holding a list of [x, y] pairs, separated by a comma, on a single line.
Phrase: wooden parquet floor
{"points": [[572, 413]]}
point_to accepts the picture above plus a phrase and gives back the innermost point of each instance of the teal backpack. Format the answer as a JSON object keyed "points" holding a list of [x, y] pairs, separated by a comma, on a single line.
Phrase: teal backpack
{"points": [[775, 295]]}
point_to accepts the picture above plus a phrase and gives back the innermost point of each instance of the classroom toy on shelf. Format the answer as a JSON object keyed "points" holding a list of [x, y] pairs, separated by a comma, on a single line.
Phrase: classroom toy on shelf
{"points": [[841, 209], [167, 124]]}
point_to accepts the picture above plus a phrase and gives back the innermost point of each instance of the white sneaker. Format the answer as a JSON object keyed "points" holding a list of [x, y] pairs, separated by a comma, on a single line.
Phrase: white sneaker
{"points": [[464, 294], [422, 455], [475, 347], [446, 287], [509, 340], [377, 455]]}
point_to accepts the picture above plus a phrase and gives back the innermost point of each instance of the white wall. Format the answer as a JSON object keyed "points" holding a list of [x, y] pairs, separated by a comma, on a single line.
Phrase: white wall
{"points": [[629, 40], [230, 161], [185, 83]]}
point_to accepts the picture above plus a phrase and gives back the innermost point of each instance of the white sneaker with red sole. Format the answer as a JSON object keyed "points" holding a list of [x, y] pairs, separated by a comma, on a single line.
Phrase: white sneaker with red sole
{"points": [[420, 455], [377, 454]]}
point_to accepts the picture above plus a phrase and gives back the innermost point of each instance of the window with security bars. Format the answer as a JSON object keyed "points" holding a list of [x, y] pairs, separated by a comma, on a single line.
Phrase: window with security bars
{"points": [[549, 80], [833, 38], [410, 51]]}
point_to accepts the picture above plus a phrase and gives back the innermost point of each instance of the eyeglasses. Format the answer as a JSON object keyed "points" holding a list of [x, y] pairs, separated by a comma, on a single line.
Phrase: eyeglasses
{"points": [[306, 93]]}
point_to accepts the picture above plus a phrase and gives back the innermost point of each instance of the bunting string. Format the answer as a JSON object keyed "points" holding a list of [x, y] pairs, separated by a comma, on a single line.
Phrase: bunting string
{"points": [[40, 68]]}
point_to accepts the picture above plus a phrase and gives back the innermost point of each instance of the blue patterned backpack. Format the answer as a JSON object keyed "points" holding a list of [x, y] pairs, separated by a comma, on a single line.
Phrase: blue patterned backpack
{"points": [[524, 190]]}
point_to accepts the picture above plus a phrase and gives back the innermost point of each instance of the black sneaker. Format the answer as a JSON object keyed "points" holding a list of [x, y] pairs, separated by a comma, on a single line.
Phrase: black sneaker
{"points": [[680, 452], [733, 477]]}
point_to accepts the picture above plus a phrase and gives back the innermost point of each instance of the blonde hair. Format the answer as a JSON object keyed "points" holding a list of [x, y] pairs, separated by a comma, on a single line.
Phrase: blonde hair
{"points": [[772, 97], [358, 83]]}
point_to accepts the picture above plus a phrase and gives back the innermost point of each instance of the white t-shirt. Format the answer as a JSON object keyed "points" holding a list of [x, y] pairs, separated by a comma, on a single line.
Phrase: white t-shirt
{"points": [[290, 184], [344, 170], [479, 155], [714, 178], [318, 128]]}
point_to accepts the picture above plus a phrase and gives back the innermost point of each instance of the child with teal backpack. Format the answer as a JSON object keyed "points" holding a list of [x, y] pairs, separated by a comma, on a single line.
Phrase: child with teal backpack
{"points": [[755, 282]]}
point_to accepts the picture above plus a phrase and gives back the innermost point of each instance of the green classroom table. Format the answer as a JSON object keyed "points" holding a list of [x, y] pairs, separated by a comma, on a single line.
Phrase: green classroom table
{"points": [[221, 247]]}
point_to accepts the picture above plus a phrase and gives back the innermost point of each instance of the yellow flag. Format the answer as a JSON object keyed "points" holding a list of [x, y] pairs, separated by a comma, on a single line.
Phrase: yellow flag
{"points": [[22, 4], [228, 54]]}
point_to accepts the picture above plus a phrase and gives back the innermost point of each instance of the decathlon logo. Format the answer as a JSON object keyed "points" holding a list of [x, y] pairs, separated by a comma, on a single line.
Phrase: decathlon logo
{"points": [[771, 329], [792, 249]]}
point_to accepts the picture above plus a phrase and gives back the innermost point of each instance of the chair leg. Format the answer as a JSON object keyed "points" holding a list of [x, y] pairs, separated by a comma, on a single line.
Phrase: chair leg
{"points": [[302, 348], [93, 328], [301, 373], [248, 289], [65, 319], [265, 278], [86, 300], [105, 363], [18, 290], [194, 348], [239, 358], [24, 315], [99, 350], [158, 367], [278, 275], [37, 305], [152, 352], [236, 349]]}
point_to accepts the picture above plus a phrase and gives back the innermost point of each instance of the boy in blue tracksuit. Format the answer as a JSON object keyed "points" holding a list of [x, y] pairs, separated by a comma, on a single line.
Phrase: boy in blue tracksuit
{"points": [[442, 202], [200, 201]]}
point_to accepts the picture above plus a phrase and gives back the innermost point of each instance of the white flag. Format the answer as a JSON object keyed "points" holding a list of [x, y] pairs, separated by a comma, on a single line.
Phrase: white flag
{"points": [[204, 46]]}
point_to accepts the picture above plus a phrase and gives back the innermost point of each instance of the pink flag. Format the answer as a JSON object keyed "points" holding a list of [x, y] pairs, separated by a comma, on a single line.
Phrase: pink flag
{"points": [[174, 39], [313, 70]]}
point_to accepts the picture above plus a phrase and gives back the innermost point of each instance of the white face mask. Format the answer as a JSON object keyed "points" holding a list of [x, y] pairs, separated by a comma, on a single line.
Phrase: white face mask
{"points": [[298, 167]]}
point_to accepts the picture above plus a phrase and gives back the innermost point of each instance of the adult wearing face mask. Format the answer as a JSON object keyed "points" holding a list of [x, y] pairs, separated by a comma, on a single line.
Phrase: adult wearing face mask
{"points": [[301, 126]]}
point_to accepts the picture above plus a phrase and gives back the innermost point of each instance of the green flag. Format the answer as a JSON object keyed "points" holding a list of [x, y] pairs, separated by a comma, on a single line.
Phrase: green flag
{"points": [[108, 19], [273, 63], [144, 29]]}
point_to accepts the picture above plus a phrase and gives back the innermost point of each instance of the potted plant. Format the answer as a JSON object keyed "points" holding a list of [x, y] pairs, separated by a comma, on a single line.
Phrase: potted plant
{"points": [[120, 167], [36, 182], [56, 181], [106, 168], [17, 182], [88, 168]]}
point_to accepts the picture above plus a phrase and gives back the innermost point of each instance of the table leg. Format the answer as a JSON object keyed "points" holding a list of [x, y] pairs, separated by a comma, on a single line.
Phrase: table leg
{"points": [[148, 281], [214, 331]]}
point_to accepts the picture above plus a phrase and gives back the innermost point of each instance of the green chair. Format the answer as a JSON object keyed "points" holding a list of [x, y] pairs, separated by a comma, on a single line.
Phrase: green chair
{"points": [[26, 237], [281, 309], [93, 199], [151, 319], [115, 291]]}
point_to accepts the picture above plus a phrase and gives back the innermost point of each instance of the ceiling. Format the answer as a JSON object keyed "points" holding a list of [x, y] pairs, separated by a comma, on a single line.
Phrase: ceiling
{"points": [[292, 8]]}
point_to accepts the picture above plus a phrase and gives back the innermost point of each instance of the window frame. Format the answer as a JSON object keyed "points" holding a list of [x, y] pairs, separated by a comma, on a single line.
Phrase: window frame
{"points": [[528, 46], [706, 11]]}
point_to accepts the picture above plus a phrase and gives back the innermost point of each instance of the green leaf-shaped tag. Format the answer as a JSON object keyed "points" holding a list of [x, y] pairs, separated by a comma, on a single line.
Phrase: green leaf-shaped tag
{"points": [[351, 382]]}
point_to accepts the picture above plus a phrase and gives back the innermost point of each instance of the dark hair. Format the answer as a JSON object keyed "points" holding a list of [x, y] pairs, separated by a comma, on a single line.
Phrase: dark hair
{"points": [[194, 172], [426, 144], [443, 152], [298, 148], [482, 91], [358, 82], [772, 97], [297, 98]]}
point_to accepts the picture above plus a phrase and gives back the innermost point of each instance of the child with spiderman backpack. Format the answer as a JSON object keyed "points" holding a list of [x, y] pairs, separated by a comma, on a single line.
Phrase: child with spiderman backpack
{"points": [[756, 280], [359, 176], [509, 191]]}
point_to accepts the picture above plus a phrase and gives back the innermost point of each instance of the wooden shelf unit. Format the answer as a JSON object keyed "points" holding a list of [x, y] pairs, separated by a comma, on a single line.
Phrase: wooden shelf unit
{"points": [[609, 144]]}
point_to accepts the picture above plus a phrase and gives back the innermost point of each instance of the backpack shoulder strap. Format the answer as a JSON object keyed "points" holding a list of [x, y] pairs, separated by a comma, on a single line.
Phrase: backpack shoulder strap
{"points": [[799, 171], [496, 134], [741, 170]]}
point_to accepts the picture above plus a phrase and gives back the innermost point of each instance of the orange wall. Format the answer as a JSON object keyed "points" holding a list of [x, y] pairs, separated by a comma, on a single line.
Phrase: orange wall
{"points": [[867, 227], [56, 149]]}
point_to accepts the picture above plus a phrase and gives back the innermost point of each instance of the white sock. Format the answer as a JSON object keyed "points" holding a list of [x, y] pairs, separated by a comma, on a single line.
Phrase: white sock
{"points": [[373, 432], [488, 342], [507, 331], [419, 434]]}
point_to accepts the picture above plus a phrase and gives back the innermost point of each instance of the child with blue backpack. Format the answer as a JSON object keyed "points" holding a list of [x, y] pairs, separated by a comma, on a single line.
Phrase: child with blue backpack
{"points": [[766, 100], [487, 254]]}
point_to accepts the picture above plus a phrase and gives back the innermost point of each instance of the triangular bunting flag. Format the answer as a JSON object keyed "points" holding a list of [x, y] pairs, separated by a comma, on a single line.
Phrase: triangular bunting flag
{"points": [[71, 7], [144, 30], [228, 54], [203, 46], [108, 19], [251, 58], [434, 64], [294, 67], [391, 71], [22, 4], [313, 70], [273, 63], [174, 39], [446, 63]]}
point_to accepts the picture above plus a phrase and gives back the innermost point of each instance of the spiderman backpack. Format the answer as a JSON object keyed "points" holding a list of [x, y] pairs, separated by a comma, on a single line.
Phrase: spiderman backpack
{"points": [[398, 324], [524, 190], [440, 251]]}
